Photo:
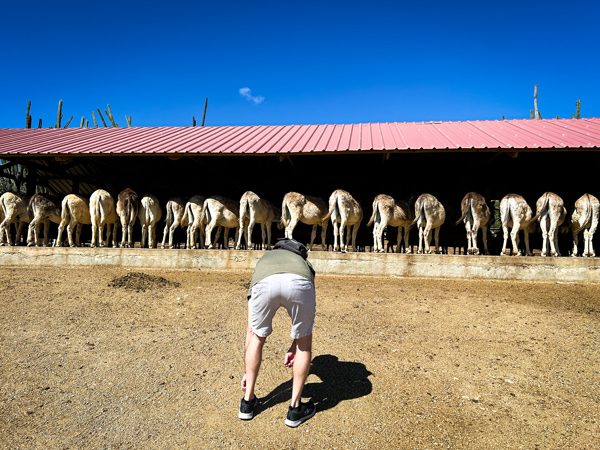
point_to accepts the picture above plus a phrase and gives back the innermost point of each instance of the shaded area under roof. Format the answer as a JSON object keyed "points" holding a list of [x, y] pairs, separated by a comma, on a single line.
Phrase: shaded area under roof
{"points": [[520, 134]]}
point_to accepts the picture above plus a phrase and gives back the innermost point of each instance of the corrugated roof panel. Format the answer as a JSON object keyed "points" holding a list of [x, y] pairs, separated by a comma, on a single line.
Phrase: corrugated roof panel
{"points": [[320, 135], [268, 141], [587, 127], [345, 137], [389, 143], [421, 136], [509, 133], [354, 137], [465, 135], [376, 138], [293, 139], [427, 136], [335, 134]]}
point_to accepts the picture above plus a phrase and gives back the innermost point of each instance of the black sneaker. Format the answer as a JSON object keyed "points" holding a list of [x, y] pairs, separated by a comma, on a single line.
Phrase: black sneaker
{"points": [[302, 413], [247, 408]]}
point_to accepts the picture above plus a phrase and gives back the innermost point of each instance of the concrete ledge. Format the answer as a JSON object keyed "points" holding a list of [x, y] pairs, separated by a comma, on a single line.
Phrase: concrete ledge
{"points": [[390, 264]]}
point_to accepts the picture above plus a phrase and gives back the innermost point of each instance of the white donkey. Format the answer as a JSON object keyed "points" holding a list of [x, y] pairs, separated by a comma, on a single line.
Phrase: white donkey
{"points": [[149, 214], [585, 218], [220, 211], [103, 213], [192, 220], [475, 215], [75, 213], [429, 215], [306, 209], [516, 214], [345, 211], [14, 210], [128, 205], [253, 210], [42, 210], [389, 212], [175, 212], [551, 213]]}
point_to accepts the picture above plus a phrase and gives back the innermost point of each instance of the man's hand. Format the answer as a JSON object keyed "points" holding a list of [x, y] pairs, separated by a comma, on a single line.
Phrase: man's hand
{"points": [[244, 382], [290, 355], [289, 359]]}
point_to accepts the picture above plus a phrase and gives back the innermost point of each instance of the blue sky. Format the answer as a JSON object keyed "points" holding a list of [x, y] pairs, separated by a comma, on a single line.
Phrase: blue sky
{"points": [[276, 63]]}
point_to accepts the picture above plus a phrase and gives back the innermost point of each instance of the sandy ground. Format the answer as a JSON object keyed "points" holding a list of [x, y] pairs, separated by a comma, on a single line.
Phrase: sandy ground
{"points": [[103, 358]]}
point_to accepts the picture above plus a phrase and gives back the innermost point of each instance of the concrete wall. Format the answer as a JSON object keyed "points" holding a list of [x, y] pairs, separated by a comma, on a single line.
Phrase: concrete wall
{"points": [[444, 266]]}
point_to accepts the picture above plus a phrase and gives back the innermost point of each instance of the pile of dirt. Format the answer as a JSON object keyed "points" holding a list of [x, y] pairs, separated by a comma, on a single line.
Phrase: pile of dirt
{"points": [[141, 282]]}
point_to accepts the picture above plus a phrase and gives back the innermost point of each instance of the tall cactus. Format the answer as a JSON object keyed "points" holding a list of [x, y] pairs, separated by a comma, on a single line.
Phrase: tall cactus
{"points": [[94, 116], [68, 122], [101, 118], [110, 116], [578, 103], [59, 114], [128, 119], [27, 116], [205, 106]]}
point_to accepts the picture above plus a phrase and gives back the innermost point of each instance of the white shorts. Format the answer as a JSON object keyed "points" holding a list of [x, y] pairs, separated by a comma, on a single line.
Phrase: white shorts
{"points": [[294, 292]]}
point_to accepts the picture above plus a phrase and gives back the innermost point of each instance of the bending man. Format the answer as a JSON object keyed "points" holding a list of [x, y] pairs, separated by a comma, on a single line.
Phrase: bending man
{"points": [[282, 278]]}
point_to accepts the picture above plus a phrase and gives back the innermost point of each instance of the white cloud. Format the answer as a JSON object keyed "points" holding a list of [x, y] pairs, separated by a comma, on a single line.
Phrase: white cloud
{"points": [[246, 92]]}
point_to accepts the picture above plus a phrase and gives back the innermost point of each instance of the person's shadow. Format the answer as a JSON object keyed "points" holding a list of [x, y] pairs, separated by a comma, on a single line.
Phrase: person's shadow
{"points": [[339, 381]]}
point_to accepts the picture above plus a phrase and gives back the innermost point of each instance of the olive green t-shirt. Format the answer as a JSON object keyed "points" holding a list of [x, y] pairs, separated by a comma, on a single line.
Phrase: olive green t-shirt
{"points": [[280, 261]]}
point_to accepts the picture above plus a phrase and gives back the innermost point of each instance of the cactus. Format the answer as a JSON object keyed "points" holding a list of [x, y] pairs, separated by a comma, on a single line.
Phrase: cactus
{"points": [[128, 119], [87, 123], [578, 103], [82, 121], [537, 113], [193, 121], [68, 122], [94, 116], [101, 118], [40, 124], [204, 115], [531, 111], [27, 116], [110, 116], [59, 114]]}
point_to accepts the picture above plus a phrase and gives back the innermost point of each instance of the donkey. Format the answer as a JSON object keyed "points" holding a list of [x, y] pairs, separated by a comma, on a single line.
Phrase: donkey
{"points": [[475, 215], [390, 212], [306, 209], [429, 214]]}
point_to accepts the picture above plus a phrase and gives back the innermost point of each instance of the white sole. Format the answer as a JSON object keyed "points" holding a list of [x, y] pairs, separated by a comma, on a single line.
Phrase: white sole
{"points": [[245, 416], [295, 423]]}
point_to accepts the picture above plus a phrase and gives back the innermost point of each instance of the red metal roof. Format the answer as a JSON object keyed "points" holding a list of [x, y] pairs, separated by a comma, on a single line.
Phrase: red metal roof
{"points": [[518, 134]]}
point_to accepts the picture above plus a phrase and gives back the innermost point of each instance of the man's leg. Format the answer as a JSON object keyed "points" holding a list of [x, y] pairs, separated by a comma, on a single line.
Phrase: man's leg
{"points": [[301, 367], [254, 347]]}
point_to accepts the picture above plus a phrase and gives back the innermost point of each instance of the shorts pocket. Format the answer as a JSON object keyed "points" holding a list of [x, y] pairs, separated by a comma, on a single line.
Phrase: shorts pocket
{"points": [[301, 284], [259, 289]]}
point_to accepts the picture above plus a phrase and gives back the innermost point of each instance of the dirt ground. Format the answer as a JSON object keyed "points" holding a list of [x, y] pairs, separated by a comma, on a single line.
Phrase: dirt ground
{"points": [[103, 358]]}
